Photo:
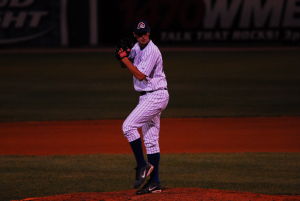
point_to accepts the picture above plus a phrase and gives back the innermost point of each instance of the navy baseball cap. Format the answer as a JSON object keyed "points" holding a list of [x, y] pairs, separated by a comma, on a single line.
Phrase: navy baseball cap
{"points": [[141, 27]]}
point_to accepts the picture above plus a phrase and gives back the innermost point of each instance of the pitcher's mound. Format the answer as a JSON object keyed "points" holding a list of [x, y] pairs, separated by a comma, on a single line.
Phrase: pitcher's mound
{"points": [[172, 194]]}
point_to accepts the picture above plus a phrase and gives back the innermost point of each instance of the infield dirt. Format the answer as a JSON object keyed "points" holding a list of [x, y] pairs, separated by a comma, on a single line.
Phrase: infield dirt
{"points": [[190, 135], [276, 134]]}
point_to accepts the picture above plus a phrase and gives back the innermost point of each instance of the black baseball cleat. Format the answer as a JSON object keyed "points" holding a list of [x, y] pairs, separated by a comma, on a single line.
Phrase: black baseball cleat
{"points": [[142, 174], [150, 187]]}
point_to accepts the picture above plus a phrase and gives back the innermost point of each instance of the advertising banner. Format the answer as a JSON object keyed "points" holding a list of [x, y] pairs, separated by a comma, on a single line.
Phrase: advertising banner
{"points": [[210, 21], [99, 23], [25, 23]]}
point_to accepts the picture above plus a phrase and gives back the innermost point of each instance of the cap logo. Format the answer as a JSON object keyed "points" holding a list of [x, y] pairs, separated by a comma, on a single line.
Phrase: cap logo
{"points": [[141, 25]]}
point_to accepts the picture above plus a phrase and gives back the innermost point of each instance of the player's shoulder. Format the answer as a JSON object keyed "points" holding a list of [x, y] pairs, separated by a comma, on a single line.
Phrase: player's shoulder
{"points": [[153, 48], [135, 46]]}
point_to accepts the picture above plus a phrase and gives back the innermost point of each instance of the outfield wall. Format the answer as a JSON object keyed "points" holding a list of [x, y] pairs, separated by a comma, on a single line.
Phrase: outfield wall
{"points": [[98, 23]]}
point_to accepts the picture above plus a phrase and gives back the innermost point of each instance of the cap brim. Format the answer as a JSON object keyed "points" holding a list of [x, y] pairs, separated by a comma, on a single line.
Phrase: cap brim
{"points": [[140, 33]]}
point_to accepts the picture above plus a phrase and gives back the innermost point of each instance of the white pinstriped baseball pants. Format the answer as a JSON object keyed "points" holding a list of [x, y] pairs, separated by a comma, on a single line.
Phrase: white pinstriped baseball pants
{"points": [[146, 115]]}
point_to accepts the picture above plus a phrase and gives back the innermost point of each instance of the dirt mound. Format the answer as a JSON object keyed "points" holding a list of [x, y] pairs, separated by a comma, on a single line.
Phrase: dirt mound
{"points": [[173, 194]]}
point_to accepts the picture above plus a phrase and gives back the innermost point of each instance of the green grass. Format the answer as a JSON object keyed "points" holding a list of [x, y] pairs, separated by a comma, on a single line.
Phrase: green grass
{"points": [[32, 176], [72, 86]]}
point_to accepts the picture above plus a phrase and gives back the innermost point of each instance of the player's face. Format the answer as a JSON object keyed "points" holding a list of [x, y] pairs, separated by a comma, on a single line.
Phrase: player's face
{"points": [[143, 40]]}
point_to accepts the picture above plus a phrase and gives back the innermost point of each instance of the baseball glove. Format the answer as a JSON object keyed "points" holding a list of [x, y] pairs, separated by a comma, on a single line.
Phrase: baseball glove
{"points": [[124, 47]]}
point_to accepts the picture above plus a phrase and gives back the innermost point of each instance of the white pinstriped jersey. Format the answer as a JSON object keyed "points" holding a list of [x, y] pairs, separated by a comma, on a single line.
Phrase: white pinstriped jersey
{"points": [[149, 61]]}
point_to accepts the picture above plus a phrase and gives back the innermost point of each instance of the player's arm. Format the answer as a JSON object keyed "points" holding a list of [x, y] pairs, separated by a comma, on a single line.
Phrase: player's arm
{"points": [[123, 57], [134, 70]]}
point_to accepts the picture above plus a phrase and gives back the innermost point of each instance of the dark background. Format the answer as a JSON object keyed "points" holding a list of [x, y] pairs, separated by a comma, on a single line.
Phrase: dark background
{"points": [[170, 21]]}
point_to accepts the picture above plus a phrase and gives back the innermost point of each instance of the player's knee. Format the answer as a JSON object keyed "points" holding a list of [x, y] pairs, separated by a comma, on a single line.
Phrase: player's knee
{"points": [[126, 127], [130, 132], [150, 144], [152, 147]]}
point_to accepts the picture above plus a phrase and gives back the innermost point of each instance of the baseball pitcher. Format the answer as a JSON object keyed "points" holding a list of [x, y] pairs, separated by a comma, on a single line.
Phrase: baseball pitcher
{"points": [[144, 62]]}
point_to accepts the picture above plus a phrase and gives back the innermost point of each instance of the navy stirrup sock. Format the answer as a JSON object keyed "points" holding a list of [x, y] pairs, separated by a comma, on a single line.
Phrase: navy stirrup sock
{"points": [[154, 160], [137, 149]]}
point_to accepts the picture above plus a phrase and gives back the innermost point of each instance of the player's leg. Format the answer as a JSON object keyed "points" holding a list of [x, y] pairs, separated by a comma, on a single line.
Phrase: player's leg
{"points": [[149, 106], [130, 125], [151, 141], [143, 112], [151, 131]]}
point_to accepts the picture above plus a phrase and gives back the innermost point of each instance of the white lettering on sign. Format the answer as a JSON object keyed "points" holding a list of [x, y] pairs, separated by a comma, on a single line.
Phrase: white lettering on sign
{"points": [[221, 11], [290, 35], [21, 19], [213, 35], [176, 36], [16, 3], [258, 13], [255, 35], [292, 10]]}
